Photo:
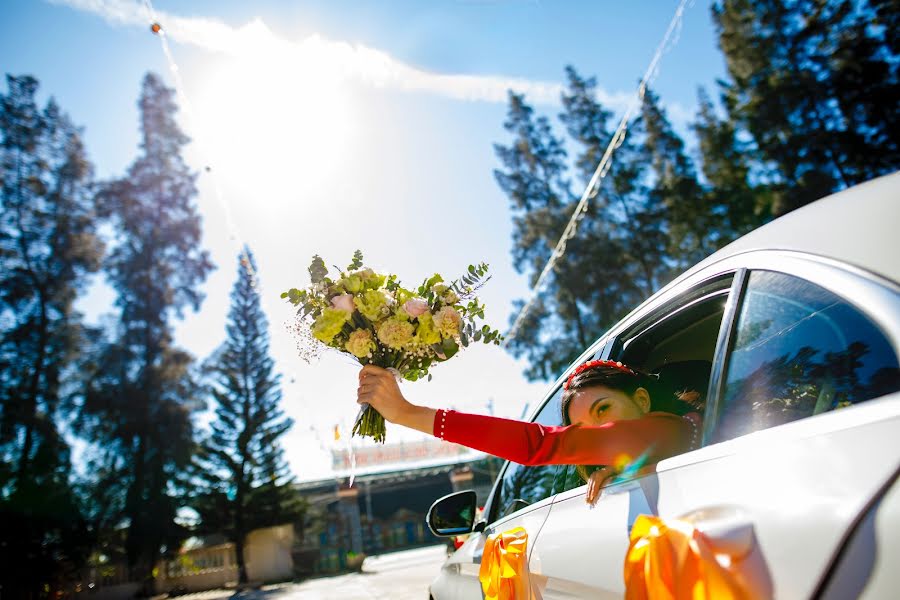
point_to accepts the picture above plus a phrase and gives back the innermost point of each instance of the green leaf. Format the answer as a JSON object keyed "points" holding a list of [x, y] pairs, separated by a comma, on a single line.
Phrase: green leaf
{"points": [[449, 347], [317, 269], [357, 261]]}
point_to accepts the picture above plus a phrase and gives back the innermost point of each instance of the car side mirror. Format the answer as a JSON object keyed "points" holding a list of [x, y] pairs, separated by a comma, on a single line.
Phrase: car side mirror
{"points": [[454, 514]]}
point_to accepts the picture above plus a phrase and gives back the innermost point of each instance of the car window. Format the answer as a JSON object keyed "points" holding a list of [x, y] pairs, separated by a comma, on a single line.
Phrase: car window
{"points": [[678, 343], [799, 350], [521, 486]]}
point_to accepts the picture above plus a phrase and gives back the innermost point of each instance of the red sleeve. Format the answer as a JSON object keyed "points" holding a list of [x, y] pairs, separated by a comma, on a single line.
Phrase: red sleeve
{"points": [[653, 437]]}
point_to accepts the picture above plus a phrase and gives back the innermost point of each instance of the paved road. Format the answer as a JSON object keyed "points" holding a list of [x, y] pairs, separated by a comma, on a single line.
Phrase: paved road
{"points": [[396, 576]]}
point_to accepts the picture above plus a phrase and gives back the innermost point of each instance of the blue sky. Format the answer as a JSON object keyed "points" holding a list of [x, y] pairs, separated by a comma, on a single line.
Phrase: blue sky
{"points": [[338, 125]]}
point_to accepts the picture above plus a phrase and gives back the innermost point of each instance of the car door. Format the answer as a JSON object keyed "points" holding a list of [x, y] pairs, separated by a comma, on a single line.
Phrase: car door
{"points": [[805, 421], [800, 435], [521, 498]]}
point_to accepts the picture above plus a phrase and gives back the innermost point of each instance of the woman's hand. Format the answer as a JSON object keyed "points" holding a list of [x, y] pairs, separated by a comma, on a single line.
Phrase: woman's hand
{"points": [[378, 387], [596, 481]]}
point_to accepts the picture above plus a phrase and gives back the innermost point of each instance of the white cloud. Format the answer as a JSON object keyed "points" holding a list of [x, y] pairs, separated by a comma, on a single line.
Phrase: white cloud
{"points": [[350, 61], [354, 62]]}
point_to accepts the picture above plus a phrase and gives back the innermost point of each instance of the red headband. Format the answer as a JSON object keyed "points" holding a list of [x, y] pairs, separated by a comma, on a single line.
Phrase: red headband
{"points": [[596, 363]]}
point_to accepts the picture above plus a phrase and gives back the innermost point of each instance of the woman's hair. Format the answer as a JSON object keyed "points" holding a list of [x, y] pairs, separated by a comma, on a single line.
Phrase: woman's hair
{"points": [[664, 397]]}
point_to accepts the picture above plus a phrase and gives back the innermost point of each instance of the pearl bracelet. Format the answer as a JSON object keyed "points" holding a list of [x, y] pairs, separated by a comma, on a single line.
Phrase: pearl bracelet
{"points": [[443, 423]]}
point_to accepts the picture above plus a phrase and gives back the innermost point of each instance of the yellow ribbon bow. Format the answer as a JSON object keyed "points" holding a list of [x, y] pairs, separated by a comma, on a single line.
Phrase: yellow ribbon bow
{"points": [[504, 566], [675, 561]]}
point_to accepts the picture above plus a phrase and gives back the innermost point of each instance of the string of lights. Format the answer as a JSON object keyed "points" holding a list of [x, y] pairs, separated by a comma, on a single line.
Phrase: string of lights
{"points": [[593, 187]]}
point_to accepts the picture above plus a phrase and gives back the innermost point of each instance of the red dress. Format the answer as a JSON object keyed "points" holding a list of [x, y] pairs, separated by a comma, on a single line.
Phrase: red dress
{"points": [[650, 438]]}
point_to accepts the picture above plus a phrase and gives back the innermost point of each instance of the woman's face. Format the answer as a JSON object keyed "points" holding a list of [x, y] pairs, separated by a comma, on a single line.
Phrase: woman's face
{"points": [[598, 404]]}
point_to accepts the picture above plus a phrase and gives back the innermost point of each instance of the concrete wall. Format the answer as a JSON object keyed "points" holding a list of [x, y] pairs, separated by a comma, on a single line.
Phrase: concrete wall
{"points": [[268, 553], [199, 569]]}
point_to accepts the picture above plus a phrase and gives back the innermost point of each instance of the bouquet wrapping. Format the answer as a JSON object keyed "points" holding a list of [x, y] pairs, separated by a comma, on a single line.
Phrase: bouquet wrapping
{"points": [[373, 318]]}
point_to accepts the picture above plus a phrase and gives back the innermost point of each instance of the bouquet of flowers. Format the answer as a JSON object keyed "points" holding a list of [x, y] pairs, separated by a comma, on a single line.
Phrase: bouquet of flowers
{"points": [[376, 320]]}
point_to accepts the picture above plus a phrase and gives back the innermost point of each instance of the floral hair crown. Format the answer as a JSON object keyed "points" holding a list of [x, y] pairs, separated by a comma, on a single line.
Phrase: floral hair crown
{"points": [[591, 364]]}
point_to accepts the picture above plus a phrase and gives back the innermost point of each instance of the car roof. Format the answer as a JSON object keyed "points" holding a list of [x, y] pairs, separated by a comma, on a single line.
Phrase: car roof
{"points": [[858, 226]]}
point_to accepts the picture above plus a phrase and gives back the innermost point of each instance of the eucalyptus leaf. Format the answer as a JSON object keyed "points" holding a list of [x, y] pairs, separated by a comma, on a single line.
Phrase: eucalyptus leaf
{"points": [[317, 269]]}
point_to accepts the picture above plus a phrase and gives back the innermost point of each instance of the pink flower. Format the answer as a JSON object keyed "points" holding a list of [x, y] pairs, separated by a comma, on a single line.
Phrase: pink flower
{"points": [[415, 307], [343, 302]]}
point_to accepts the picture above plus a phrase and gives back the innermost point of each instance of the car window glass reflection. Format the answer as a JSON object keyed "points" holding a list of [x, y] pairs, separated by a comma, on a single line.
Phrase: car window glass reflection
{"points": [[799, 350]]}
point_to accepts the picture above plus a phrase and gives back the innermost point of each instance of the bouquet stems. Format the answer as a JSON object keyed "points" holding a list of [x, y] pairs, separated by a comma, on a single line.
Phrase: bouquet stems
{"points": [[370, 423]]}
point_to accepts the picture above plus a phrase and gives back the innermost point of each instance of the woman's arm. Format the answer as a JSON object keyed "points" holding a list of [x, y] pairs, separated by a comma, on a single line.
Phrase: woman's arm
{"points": [[648, 439]]}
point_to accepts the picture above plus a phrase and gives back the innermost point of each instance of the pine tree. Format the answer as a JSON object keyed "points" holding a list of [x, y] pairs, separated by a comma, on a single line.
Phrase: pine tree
{"points": [[815, 83], [48, 247], [246, 480], [541, 204], [728, 164], [618, 256], [141, 391], [623, 233], [689, 220]]}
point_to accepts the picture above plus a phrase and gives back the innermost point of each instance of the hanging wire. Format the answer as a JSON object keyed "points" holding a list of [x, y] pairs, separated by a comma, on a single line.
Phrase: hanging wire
{"points": [[186, 104], [593, 186]]}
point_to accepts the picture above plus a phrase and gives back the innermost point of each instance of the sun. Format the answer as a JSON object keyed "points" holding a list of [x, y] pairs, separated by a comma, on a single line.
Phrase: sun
{"points": [[274, 120]]}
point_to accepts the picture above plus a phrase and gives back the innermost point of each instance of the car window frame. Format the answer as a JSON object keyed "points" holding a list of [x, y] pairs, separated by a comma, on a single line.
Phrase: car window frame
{"points": [[664, 306], [872, 295], [833, 277]]}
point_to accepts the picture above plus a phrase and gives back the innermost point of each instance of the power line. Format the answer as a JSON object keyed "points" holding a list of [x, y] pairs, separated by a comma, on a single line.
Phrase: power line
{"points": [[593, 186]]}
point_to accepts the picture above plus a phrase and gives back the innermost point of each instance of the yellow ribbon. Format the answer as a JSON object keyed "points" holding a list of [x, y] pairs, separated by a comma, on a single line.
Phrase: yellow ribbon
{"points": [[504, 566], [675, 561]]}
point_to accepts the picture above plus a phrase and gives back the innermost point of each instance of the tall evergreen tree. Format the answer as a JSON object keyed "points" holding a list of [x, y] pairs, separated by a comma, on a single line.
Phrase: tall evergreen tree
{"points": [[48, 247], [246, 480], [623, 234], [690, 220], [533, 178], [815, 83], [141, 392], [727, 164], [619, 254]]}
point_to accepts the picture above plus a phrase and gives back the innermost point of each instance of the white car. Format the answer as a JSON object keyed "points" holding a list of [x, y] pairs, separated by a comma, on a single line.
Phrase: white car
{"points": [[793, 331]]}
